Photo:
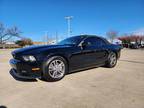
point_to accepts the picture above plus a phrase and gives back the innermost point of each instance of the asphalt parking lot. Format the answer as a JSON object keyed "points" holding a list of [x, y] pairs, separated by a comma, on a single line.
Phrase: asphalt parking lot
{"points": [[119, 87]]}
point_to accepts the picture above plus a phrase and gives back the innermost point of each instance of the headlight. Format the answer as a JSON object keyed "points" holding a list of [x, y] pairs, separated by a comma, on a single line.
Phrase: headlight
{"points": [[29, 58]]}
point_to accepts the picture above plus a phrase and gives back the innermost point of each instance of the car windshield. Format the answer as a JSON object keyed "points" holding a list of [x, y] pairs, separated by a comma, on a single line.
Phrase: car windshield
{"points": [[71, 41]]}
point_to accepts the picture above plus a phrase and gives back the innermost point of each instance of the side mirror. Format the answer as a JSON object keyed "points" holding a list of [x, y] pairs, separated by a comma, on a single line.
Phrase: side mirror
{"points": [[83, 45]]}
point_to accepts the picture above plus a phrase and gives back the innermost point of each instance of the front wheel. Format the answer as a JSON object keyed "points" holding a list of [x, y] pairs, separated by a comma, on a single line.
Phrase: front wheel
{"points": [[112, 60], [55, 68]]}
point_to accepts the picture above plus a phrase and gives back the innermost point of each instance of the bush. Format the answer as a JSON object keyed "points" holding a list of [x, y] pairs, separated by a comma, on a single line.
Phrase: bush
{"points": [[24, 42]]}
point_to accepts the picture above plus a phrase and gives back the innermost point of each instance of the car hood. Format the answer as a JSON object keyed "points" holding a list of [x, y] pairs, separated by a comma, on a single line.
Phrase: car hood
{"points": [[37, 49]]}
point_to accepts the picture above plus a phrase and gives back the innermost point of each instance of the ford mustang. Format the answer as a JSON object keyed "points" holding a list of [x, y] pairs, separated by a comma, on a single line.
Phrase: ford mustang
{"points": [[53, 62]]}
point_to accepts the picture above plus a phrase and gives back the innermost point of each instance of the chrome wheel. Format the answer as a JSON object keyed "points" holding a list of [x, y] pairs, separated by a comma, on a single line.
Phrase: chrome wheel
{"points": [[113, 59], [56, 69]]}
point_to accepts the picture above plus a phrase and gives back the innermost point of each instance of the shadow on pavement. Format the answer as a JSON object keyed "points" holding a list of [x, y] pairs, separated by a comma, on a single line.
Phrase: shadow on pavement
{"points": [[3, 106], [81, 70], [42, 79], [139, 62], [21, 79]]}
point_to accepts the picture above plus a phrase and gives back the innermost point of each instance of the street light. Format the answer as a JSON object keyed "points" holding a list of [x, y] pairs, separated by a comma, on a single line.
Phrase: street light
{"points": [[69, 31]]}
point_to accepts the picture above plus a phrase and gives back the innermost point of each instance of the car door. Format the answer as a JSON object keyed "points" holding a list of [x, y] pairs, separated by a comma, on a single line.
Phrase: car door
{"points": [[88, 52], [94, 52], [101, 51], [81, 56], [87, 55], [91, 53]]}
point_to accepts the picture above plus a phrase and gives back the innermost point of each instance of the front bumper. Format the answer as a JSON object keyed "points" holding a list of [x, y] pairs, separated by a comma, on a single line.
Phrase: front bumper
{"points": [[24, 70]]}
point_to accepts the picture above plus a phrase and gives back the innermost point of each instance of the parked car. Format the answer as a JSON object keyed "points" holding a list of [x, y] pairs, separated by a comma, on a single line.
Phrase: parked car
{"points": [[142, 45], [53, 62], [125, 45], [134, 46]]}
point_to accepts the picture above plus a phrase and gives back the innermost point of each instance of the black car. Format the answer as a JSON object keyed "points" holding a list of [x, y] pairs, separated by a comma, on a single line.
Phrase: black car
{"points": [[53, 62]]}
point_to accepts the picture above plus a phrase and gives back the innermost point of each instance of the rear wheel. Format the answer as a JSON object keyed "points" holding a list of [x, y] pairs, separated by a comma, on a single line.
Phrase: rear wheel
{"points": [[55, 68], [112, 60]]}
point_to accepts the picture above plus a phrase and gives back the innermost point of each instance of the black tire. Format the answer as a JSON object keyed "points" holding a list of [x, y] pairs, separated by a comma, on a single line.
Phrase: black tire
{"points": [[47, 75], [110, 63]]}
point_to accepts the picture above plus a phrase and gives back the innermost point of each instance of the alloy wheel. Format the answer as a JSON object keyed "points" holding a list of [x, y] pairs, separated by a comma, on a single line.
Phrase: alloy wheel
{"points": [[56, 69], [113, 59]]}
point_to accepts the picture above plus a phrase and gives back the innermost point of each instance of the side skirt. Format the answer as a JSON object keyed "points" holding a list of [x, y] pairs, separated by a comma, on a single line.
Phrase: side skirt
{"points": [[86, 68]]}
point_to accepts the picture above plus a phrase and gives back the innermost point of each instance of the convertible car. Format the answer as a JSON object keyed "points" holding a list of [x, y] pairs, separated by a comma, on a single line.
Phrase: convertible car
{"points": [[53, 62]]}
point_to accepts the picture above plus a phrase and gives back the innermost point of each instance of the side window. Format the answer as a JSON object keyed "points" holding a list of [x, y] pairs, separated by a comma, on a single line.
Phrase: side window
{"points": [[92, 41], [102, 42]]}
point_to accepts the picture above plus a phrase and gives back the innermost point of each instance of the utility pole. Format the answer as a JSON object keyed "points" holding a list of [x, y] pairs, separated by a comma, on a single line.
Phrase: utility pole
{"points": [[46, 37], [69, 31], [56, 37]]}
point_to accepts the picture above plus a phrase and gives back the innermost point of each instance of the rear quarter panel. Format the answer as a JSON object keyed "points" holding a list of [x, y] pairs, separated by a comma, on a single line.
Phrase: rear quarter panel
{"points": [[114, 48]]}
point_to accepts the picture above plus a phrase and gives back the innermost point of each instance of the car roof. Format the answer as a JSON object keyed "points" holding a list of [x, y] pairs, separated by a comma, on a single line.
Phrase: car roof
{"points": [[86, 36]]}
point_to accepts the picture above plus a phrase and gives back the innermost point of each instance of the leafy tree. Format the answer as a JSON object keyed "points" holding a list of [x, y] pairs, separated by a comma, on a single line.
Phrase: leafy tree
{"points": [[8, 33]]}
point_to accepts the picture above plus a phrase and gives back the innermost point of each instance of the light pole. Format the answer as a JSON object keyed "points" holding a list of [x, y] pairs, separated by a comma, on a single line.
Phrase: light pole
{"points": [[56, 37], [46, 37], [69, 31]]}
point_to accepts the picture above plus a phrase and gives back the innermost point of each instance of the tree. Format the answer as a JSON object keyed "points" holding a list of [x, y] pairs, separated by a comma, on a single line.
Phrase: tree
{"points": [[24, 42], [8, 33], [112, 35]]}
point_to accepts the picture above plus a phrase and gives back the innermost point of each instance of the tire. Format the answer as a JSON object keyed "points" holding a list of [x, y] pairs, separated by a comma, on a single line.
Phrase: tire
{"points": [[55, 68], [112, 60]]}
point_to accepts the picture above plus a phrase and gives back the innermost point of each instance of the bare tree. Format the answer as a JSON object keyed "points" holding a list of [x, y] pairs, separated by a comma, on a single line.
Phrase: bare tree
{"points": [[112, 35], [8, 33]]}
